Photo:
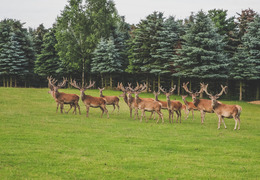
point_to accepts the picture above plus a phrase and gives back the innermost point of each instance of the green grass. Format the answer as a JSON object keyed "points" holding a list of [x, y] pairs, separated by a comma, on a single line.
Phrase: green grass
{"points": [[37, 143]]}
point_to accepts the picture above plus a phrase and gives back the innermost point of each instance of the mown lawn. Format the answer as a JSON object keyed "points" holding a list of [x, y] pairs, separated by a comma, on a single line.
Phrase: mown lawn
{"points": [[37, 143]]}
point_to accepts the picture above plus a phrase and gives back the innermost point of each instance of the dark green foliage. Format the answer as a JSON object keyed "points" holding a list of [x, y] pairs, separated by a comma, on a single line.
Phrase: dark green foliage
{"points": [[202, 54], [48, 62]]}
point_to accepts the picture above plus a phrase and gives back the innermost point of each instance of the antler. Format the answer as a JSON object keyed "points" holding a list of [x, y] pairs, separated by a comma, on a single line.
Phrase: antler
{"points": [[186, 88], [91, 84], [162, 89], [63, 83], [51, 83], [172, 89], [223, 90], [205, 88], [122, 87], [75, 84]]}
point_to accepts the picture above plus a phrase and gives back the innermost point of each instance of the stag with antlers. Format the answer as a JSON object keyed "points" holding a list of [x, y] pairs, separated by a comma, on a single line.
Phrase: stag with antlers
{"points": [[90, 101], [203, 105], [189, 106], [146, 104], [173, 106], [111, 100], [224, 110], [63, 98]]}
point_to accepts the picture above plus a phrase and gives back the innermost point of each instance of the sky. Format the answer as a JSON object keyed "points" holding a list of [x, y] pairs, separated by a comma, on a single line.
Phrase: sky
{"points": [[36, 12]]}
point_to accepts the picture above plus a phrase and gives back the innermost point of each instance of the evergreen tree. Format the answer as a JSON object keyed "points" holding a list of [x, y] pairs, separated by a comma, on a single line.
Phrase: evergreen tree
{"points": [[38, 35], [16, 52], [202, 54], [246, 62], [48, 62], [106, 60]]}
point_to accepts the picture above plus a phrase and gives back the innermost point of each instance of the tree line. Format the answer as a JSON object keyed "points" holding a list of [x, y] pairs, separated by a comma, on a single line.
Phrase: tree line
{"points": [[90, 41]]}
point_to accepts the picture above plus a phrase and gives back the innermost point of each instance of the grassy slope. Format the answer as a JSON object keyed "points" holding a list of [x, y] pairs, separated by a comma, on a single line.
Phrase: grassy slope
{"points": [[38, 143]]}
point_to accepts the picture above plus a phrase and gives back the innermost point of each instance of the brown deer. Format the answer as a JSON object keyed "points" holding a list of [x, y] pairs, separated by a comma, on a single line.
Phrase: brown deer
{"points": [[224, 110], [63, 98], [111, 100], [145, 104], [130, 102], [189, 107], [203, 105], [173, 106], [90, 101]]}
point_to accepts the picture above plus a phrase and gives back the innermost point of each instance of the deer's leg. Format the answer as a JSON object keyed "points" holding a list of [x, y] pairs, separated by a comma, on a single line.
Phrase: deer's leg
{"points": [[78, 108], [106, 111], [142, 115], [219, 121], [202, 116], [187, 114], [87, 109], [131, 112], [170, 115], [69, 109], [235, 123], [61, 107], [114, 108], [192, 114], [151, 114], [117, 104], [180, 115], [102, 111], [224, 123], [57, 107]]}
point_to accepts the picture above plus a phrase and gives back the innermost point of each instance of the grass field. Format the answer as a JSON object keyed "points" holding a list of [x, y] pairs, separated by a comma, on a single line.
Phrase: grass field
{"points": [[37, 143]]}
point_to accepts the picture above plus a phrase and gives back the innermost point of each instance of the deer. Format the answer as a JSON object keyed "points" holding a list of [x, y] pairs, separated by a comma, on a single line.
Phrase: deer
{"points": [[130, 102], [90, 101], [189, 106], [111, 100], [202, 105], [172, 105], [145, 104], [63, 98], [224, 110]]}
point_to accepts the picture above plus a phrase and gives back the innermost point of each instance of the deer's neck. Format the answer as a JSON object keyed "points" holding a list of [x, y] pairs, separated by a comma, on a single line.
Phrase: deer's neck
{"points": [[185, 102], [101, 95], [196, 102], [156, 98], [82, 96], [168, 102]]}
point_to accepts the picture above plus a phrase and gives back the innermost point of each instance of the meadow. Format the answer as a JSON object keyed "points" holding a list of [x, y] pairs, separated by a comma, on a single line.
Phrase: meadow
{"points": [[38, 143]]}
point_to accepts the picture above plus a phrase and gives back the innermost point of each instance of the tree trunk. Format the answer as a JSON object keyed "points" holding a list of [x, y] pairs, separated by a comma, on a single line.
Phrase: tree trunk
{"points": [[240, 90], [111, 81], [172, 83], [154, 84], [4, 82], [15, 82], [179, 84], [257, 92], [11, 81], [147, 83], [83, 72], [102, 81], [105, 82], [159, 80]]}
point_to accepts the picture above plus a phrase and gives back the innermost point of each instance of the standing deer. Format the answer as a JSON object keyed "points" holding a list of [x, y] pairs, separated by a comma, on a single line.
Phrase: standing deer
{"points": [[147, 104], [130, 102], [172, 105], [203, 105], [63, 98], [90, 101], [111, 100], [224, 110], [189, 107]]}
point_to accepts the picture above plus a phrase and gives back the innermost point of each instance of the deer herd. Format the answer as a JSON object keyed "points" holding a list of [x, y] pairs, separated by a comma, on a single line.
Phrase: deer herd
{"points": [[155, 105]]}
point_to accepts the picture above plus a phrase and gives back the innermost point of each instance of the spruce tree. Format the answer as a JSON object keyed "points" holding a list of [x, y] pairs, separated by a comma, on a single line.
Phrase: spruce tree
{"points": [[202, 54], [246, 62]]}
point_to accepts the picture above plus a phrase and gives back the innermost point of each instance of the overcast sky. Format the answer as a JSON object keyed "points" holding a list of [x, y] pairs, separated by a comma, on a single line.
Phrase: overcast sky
{"points": [[35, 12]]}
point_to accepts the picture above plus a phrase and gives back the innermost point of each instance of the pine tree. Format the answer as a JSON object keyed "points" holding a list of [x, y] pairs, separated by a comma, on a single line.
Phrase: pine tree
{"points": [[48, 62], [202, 54], [246, 62], [106, 60]]}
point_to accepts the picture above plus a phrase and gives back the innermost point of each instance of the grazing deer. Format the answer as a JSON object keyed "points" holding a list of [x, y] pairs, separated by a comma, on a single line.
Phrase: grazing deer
{"points": [[146, 104], [111, 100], [224, 110], [90, 101], [172, 105], [202, 105], [189, 107], [63, 98]]}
